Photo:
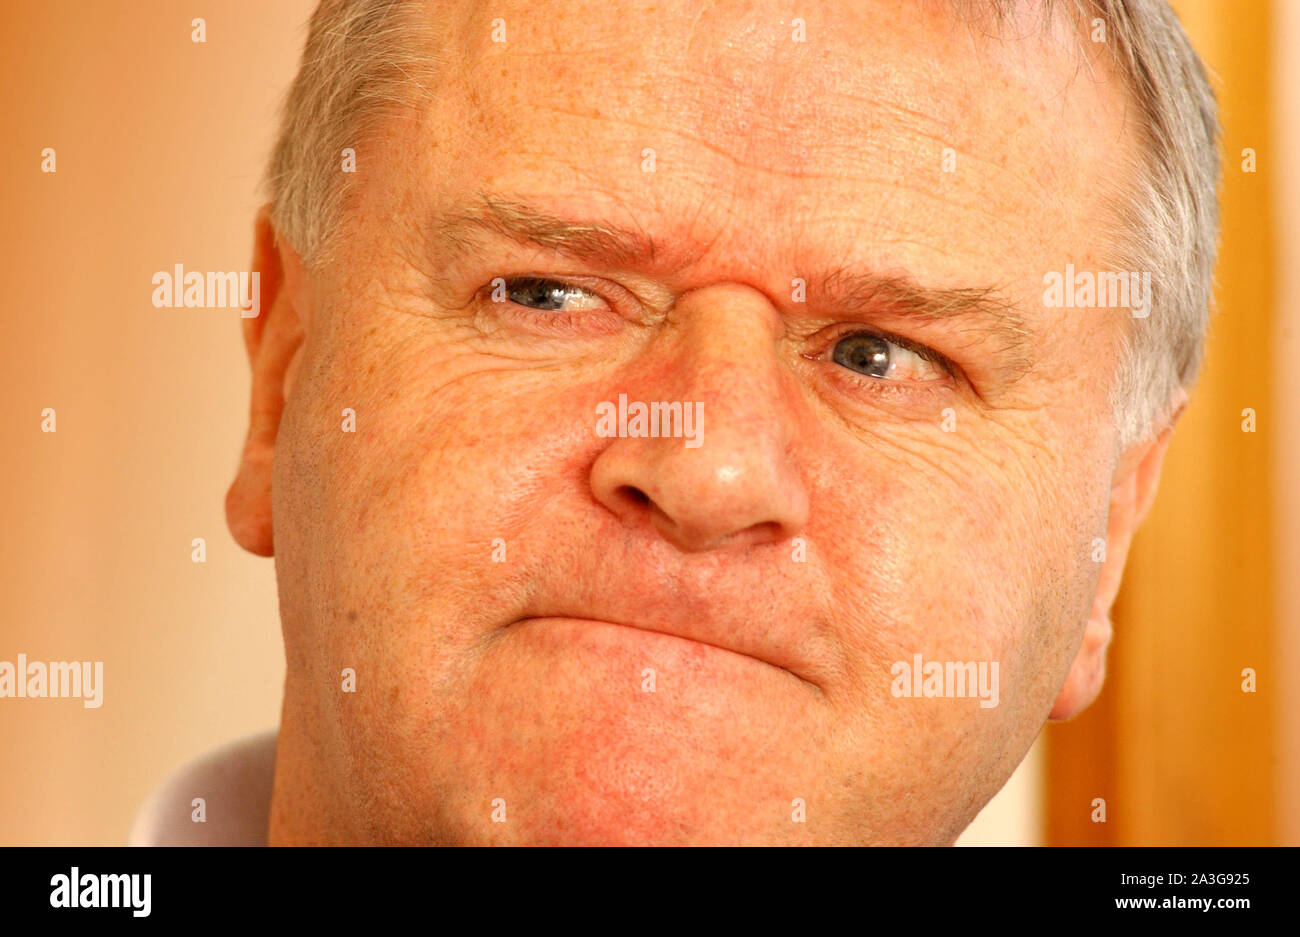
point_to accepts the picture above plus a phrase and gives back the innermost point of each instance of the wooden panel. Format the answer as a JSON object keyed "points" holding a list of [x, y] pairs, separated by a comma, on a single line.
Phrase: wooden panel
{"points": [[1181, 754]]}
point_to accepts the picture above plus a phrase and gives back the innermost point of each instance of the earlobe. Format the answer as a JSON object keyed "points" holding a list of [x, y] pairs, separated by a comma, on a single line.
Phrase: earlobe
{"points": [[272, 340], [1132, 495], [1088, 672]]}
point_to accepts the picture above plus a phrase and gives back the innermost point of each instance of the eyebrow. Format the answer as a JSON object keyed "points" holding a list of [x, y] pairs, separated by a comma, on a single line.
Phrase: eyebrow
{"points": [[985, 312], [523, 223]]}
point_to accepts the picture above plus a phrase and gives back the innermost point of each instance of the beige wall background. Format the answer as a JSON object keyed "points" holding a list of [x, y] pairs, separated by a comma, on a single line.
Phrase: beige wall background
{"points": [[160, 142]]}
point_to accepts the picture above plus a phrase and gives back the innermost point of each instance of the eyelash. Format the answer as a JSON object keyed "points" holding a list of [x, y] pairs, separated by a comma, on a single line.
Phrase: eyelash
{"points": [[551, 321]]}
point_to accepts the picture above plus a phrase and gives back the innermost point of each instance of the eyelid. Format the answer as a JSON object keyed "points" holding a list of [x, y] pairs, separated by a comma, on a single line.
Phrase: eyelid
{"points": [[527, 281]]}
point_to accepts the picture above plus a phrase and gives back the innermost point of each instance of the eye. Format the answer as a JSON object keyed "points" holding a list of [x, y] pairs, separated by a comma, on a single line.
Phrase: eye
{"points": [[551, 295], [879, 357]]}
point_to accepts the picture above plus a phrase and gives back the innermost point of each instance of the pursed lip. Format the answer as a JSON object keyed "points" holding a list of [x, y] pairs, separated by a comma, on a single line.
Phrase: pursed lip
{"points": [[751, 604], [693, 638]]}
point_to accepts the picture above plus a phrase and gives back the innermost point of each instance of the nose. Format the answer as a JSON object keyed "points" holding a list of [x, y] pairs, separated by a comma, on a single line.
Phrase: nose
{"points": [[737, 483]]}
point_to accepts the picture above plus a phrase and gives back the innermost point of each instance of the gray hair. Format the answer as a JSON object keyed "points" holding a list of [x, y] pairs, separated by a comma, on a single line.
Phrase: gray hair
{"points": [[1170, 224], [366, 60]]}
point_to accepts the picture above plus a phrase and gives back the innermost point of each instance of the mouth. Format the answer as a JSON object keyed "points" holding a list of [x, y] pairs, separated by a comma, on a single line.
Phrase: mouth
{"points": [[599, 626]]}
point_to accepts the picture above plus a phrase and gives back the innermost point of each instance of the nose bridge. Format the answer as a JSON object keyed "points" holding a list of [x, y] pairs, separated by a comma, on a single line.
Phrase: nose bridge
{"points": [[726, 338], [737, 483], [724, 356]]}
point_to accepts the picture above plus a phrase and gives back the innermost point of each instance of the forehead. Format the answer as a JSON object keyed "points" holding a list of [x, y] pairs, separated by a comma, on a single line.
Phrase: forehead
{"points": [[889, 133]]}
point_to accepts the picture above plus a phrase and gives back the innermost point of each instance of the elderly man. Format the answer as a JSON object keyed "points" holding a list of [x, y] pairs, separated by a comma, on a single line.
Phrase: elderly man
{"points": [[709, 422]]}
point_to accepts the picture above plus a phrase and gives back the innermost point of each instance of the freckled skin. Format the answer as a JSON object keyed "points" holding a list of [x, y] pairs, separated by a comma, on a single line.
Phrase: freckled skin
{"points": [[771, 677]]}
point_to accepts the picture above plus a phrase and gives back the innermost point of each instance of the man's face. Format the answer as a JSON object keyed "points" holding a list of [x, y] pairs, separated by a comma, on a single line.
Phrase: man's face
{"points": [[636, 639]]}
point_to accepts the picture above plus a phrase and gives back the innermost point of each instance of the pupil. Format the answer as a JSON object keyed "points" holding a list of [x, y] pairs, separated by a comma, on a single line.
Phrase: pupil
{"points": [[866, 354]]}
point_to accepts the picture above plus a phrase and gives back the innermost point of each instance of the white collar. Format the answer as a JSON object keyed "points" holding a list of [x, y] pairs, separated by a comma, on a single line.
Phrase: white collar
{"points": [[234, 783]]}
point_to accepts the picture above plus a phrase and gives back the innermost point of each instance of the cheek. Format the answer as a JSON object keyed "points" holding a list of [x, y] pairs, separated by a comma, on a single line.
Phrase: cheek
{"points": [[416, 520], [957, 557], [986, 564]]}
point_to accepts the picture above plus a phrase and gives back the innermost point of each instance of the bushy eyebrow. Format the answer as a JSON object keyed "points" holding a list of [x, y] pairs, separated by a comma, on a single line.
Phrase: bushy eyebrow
{"points": [[986, 313], [520, 222]]}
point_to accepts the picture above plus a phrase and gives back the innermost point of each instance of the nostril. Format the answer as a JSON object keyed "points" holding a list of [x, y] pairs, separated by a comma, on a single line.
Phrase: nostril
{"points": [[634, 495]]}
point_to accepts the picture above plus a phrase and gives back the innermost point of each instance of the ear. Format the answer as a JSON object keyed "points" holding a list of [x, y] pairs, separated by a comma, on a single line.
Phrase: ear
{"points": [[1137, 476], [273, 338]]}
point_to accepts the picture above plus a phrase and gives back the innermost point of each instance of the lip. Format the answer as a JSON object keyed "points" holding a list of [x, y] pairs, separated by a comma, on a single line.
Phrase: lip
{"points": [[665, 633]]}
